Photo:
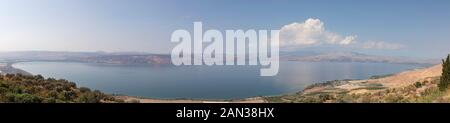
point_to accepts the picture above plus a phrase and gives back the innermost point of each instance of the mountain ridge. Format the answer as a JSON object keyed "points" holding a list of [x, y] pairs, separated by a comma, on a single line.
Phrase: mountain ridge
{"points": [[164, 59], [356, 57]]}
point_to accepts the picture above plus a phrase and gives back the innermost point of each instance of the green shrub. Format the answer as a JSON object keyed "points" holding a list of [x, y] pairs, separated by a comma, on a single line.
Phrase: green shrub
{"points": [[418, 85], [35, 89]]}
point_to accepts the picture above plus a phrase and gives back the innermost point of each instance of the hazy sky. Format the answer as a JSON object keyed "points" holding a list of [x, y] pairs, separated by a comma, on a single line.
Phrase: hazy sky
{"points": [[405, 28]]}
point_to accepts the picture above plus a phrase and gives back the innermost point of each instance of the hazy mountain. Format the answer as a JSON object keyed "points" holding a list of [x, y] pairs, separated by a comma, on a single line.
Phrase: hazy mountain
{"points": [[46, 55], [147, 58], [91, 57], [129, 59], [353, 57]]}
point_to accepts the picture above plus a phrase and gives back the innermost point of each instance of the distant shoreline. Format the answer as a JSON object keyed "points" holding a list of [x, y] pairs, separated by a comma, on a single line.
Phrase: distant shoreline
{"points": [[7, 68]]}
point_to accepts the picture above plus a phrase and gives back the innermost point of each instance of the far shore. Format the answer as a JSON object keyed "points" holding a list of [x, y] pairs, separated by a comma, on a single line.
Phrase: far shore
{"points": [[8, 68]]}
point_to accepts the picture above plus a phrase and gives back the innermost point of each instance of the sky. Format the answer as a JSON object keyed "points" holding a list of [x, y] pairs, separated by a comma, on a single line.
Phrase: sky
{"points": [[414, 28]]}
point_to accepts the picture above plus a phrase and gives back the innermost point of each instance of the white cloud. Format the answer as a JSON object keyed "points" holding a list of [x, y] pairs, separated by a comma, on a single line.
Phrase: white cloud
{"points": [[381, 45], [347, 40], [311, 32]]}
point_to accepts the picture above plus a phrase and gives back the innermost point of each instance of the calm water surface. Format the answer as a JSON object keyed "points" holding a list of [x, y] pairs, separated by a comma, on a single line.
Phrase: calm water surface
{"points": [[201, 82]]}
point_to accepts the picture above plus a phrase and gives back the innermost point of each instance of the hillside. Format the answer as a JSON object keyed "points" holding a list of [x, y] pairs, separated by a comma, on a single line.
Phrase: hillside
{"points": [[36, 89], [410, 86]]}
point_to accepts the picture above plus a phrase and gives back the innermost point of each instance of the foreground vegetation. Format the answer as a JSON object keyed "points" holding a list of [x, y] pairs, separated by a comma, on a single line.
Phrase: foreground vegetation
{"points": [[18, 88], [419, 92]]}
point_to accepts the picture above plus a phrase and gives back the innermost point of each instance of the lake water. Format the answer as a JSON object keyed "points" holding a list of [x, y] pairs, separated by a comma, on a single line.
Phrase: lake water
{"points": [[202, 82]]}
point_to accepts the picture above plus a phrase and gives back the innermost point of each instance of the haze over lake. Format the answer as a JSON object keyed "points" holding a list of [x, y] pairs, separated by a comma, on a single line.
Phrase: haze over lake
{"points": [[204, 82]]}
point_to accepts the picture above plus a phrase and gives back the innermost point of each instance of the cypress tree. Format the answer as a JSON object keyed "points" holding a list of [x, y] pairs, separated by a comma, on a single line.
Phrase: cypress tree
{"points": [[445, 78], [441, 83], [447, 72]]}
